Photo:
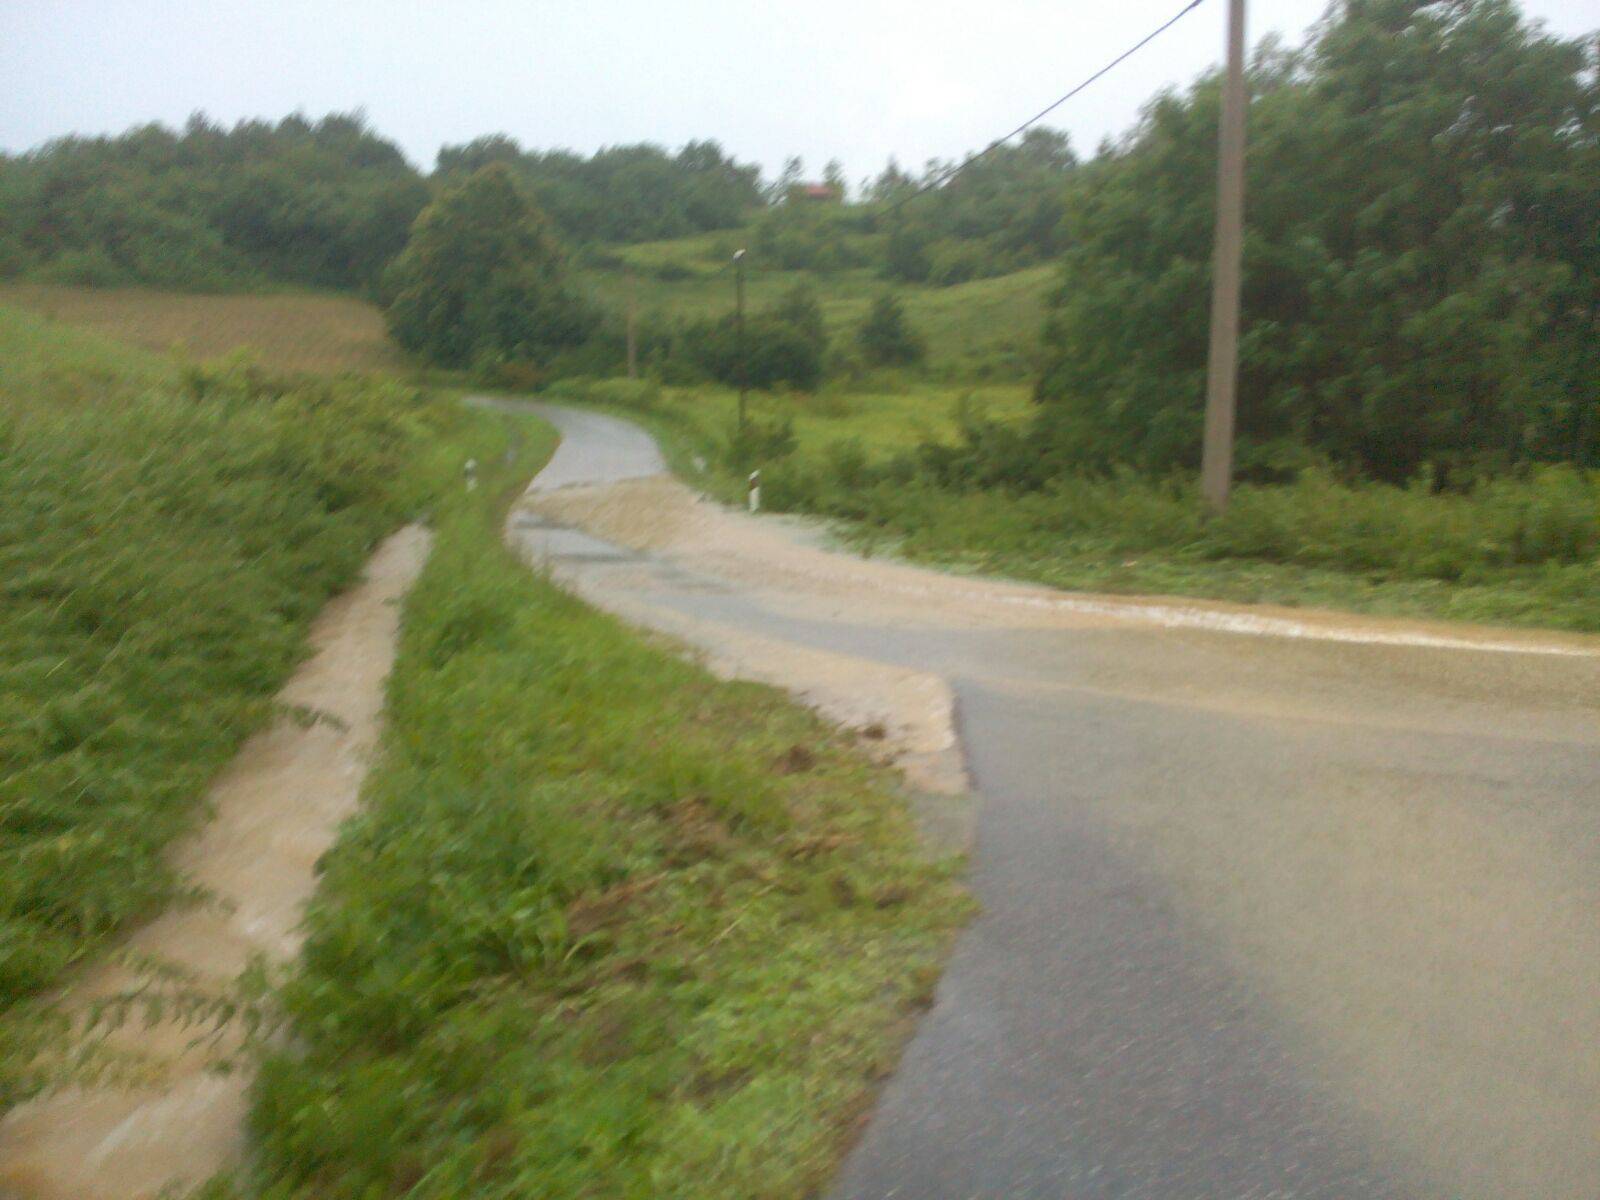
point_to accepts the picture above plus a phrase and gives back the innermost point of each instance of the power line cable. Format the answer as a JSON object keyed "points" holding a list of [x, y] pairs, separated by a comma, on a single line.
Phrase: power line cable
{"points": [[945, 176]]}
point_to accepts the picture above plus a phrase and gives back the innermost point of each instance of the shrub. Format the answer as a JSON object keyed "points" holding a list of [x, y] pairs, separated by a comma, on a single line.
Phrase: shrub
{"points": [[886, 337], [481, 282], [758, 443], [783, 345], [641, 395]]}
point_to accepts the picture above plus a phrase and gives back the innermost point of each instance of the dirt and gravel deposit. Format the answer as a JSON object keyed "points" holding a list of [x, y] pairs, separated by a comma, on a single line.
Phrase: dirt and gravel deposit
{"points": [[1381, 833]]}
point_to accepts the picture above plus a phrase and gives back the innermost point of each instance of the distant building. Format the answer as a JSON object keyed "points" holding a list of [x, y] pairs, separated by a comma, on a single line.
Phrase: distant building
{"points": [[824, 192]]}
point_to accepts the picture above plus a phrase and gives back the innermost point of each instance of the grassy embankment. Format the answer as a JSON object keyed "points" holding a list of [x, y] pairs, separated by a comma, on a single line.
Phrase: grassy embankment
{"points": [[986, 329], [166, 535], [604, 927], [603, 924]]}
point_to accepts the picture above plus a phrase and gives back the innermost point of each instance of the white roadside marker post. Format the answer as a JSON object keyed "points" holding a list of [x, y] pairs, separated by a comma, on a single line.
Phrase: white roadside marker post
{"points": [[471, 470], [755, 491]]}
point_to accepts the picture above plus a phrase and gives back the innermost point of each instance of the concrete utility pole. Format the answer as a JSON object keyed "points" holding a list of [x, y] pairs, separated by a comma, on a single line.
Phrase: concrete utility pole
{"points": [[1222, 373], [738, 318]]}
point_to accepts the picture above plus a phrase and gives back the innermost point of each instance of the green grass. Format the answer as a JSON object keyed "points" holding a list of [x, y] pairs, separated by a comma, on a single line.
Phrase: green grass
{"points": [[604, 926], [986, 329], [995, 535], [166, 535], [1514, 551], [892, 415]]}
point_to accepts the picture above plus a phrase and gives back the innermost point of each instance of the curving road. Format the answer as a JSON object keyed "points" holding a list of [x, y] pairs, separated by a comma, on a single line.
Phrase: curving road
{"points": [[1274, 904]]}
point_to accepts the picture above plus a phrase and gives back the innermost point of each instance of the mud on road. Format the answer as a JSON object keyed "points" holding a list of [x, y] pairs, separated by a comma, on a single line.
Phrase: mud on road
{"points": [[1276, 902]]}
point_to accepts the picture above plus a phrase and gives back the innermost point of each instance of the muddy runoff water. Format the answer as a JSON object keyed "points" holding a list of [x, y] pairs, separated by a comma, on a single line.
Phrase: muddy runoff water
{"points": [[275, 809]]}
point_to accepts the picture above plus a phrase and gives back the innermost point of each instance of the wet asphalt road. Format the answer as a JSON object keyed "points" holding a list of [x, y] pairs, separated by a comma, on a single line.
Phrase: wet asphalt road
{"points": [[1260, 918]]}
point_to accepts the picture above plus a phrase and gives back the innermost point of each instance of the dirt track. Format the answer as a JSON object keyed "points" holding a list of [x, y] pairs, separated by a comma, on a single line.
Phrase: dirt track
{"points": [[276, 809], [1276, 902]]}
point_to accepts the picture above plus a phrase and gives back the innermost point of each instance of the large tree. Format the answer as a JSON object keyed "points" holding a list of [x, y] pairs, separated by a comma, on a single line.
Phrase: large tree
{"points": [[481, 279], [1420, 257], [1000, 214]]}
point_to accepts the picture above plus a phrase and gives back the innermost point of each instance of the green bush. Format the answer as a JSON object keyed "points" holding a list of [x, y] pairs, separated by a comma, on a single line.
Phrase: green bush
{"points": [[481, 282], [886, 337], [1552, 516], [758, 443], [783, 345]]}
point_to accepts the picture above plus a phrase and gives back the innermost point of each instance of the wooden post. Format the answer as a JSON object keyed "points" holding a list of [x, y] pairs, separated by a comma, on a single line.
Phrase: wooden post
{"points": [[633, 317], [744, 370]]}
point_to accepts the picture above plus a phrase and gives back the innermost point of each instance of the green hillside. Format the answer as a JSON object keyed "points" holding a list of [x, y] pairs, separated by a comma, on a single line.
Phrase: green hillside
{"points": [[986, 328]]}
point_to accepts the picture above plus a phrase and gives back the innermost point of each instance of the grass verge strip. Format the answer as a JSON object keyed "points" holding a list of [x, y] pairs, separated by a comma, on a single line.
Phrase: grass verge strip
{"points": [[166, 537], [605, 926]]}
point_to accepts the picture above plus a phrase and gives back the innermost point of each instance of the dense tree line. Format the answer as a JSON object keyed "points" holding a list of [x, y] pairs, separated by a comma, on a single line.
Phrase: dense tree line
{"points": [[1000, 214], [623, 193], [1422, 258], [329, 203], [324, 203]]}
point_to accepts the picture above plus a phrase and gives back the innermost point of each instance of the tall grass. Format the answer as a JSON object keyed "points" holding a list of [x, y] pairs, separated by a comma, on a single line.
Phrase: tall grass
{"points": [[603, 927], [920, 469], [1523, 550], [165, 538]]}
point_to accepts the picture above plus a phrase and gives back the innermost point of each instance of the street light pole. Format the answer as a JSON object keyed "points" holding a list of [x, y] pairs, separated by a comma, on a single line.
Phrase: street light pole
{"points": [[738, 321], [1222, 372]]}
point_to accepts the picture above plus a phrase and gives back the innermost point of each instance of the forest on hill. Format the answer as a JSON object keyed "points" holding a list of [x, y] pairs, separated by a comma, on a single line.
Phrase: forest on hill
{"points": [[322, 204], [329, 203], [1422, 249], [1422, 256]]}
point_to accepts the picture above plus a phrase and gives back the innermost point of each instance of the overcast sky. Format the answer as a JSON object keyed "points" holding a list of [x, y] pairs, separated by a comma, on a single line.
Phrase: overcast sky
{"points": [[855, 79]]}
